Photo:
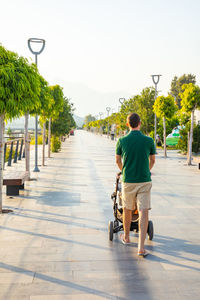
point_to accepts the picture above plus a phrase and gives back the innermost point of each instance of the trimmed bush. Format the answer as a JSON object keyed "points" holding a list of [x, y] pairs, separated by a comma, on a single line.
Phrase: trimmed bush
{"points": [[55, 144]]}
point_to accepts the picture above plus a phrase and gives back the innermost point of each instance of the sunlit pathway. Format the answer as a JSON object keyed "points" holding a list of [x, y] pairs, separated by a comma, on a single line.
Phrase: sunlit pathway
{"points": [[55, 244]]}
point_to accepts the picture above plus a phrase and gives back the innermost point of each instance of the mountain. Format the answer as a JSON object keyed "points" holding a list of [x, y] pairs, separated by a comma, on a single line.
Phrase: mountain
{"points": [[18, 124], [79, 121]]}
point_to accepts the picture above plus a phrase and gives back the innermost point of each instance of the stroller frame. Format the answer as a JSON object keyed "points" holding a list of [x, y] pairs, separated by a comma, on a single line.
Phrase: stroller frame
{"points": [[114, 226]]}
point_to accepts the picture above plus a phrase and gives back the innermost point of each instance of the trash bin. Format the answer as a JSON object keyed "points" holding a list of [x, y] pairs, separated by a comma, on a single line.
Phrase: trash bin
{"points": [[112, 136]]}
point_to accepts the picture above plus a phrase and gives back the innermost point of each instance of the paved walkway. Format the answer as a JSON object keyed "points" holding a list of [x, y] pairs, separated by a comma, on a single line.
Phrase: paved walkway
{"points": [[55, 244]]}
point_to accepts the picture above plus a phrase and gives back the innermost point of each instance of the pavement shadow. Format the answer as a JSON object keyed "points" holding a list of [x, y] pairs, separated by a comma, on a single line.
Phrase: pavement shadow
{"points": [[52, 237], [51, 279], [179, 249], [59, 198], [134, 286], [59, 221], [46, 213]]}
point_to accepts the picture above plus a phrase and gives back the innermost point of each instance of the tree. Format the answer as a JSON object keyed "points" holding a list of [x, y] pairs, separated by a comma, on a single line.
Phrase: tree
{"points": [[65, 122], [45, 111], [89, 118], [56, 108], [190, 101], [165, 107], [176, 86], [141, 104], [19, 91]]}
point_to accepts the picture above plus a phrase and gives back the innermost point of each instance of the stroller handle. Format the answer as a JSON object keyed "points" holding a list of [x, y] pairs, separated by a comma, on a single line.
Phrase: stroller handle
{"points": [[117, 181], [119, 174]]}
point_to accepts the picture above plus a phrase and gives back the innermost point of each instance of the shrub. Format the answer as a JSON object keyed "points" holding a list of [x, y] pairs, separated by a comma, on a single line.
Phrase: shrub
{"points": [[39, 140], [55, 144], [183, 140]]}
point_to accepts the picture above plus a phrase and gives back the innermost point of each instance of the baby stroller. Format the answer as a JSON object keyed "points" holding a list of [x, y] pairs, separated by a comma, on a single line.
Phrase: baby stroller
{"points": [[115, 226]]}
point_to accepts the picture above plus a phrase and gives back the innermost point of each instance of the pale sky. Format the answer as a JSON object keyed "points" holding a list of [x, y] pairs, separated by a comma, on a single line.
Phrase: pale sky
{"points": [[100, 50]]}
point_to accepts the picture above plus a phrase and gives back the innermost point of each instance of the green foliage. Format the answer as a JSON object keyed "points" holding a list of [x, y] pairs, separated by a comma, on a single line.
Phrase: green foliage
{"points": [[183, 141], [142, 105], [165, 107], [39, 140], [177, 83], [58, 99], [55, 144], [170, 125], [9, 132], [190, 97], [19, 85], [64, 122], [89, 118], [196, 139]]}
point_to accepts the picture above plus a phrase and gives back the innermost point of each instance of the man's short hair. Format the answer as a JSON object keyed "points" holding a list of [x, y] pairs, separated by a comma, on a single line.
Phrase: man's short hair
{"points": [[133, 120]]}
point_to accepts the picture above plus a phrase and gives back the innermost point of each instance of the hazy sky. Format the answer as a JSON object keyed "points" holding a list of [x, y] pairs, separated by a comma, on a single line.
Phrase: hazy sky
{"points": [[100, 50]]}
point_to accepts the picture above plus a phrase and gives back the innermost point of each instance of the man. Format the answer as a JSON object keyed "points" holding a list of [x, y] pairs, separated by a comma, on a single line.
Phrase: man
{"points": [[135, 157]]}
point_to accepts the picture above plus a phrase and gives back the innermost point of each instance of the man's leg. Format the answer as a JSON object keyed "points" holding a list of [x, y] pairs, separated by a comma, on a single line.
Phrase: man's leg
{"points": [[127, 217], [143, 225]]}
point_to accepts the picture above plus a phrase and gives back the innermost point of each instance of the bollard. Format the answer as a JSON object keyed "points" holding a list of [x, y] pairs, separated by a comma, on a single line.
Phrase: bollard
{"points": [[5, 148], [20, 151], [23, 156], [10, 155], [16, 152]]}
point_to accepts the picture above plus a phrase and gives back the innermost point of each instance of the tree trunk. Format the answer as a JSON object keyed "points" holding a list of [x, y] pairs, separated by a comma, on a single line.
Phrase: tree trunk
{"points": [[191, 138], [1, 157], [164, 136], [43, 143], [49, 139], [188, 142], [27, 146]]}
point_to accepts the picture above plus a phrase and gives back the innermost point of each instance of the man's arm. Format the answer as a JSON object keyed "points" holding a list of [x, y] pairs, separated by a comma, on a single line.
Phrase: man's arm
{"points": [[119, 161], [152, 159]]}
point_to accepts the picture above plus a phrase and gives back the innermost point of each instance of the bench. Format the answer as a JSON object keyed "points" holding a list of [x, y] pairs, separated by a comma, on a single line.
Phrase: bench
{"points": [[14, 182], [197, 159]]}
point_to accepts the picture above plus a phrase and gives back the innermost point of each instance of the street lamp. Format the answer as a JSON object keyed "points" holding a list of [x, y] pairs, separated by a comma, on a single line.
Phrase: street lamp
{"points": [[155, 79], [41, 43], [108, 111], [121, 100], [100, 115]]}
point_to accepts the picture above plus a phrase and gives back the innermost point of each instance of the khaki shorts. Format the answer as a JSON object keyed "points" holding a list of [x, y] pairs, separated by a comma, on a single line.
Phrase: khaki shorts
{"points": [[136, 195]]}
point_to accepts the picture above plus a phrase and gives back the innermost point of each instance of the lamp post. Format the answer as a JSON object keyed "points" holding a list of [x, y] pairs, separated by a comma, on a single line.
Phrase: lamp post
{"points": [[121, 100], [155, 79], [100, 115], [108, 111], [41, 42]]}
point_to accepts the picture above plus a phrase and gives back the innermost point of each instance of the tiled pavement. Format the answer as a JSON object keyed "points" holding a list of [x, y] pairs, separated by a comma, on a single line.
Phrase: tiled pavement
{"points": [[55, 243]]}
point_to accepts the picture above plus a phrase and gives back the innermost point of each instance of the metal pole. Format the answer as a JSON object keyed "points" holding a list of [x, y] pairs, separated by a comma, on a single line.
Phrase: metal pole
{"points": [[36, 53], [155, 79], [155, 118], [36, 169], [108, 110]]}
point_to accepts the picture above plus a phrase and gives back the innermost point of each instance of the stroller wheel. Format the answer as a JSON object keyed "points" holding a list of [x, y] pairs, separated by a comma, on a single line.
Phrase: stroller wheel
{"points": [[116, 224], [110, 230], [150, 230]]}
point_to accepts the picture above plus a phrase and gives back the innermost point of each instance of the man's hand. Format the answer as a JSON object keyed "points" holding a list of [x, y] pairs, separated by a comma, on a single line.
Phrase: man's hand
{"points": [[118, 175]]}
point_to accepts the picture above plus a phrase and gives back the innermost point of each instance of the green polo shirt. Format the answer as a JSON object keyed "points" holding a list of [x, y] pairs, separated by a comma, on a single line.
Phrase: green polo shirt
{"points": [[135, 149]]}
